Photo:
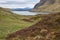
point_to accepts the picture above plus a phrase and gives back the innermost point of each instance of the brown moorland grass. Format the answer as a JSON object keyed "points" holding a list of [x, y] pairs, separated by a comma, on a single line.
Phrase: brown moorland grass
{"points": [[46, 29]]}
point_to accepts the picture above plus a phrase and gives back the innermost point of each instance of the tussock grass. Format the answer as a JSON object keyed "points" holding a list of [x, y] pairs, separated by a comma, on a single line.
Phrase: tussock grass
{"points": [[10, 22]]}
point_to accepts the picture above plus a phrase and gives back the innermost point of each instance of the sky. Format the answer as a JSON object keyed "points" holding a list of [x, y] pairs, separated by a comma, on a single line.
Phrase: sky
{"points": [[18, 3]]}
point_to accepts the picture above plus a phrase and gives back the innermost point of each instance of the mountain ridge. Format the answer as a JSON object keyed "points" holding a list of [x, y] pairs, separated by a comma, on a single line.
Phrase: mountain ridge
{"points": [[47, 6], [21, 9]]}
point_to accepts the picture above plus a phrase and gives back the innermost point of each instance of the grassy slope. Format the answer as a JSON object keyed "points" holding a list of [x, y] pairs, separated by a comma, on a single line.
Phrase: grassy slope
{"points": [[10, 22], [48, 8], [51, 8], [46, 29]]}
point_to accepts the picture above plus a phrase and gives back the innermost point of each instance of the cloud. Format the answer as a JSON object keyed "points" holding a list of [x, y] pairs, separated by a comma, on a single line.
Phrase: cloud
{"points": [[18, 3], [2, 1], [17, 6], [15, 0]]}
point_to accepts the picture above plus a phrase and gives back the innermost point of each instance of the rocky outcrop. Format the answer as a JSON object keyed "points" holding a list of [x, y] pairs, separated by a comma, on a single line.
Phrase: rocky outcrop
{"points": [[47, 5]]}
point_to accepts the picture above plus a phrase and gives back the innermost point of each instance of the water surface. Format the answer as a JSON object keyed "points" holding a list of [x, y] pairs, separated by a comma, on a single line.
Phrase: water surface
{"points": [[28, 13]]}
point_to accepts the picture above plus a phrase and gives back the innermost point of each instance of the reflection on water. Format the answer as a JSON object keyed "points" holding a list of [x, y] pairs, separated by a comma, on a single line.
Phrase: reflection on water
{"points": [[28, 13]]}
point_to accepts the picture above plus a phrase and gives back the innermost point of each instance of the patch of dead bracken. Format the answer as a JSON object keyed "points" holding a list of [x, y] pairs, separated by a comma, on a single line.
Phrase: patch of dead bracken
{"points": [[46, 29]]}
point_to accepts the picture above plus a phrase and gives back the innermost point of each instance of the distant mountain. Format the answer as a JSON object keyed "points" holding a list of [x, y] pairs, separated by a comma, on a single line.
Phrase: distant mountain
{"points": [[21, 9]]}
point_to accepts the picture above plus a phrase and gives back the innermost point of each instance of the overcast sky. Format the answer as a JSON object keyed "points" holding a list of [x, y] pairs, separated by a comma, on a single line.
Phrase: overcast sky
{"points": [[18, 3]]}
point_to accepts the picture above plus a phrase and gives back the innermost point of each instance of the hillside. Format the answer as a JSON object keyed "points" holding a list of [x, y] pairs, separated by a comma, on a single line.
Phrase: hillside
{"points": [[10, 22], [48, 28], [48, 6]]}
